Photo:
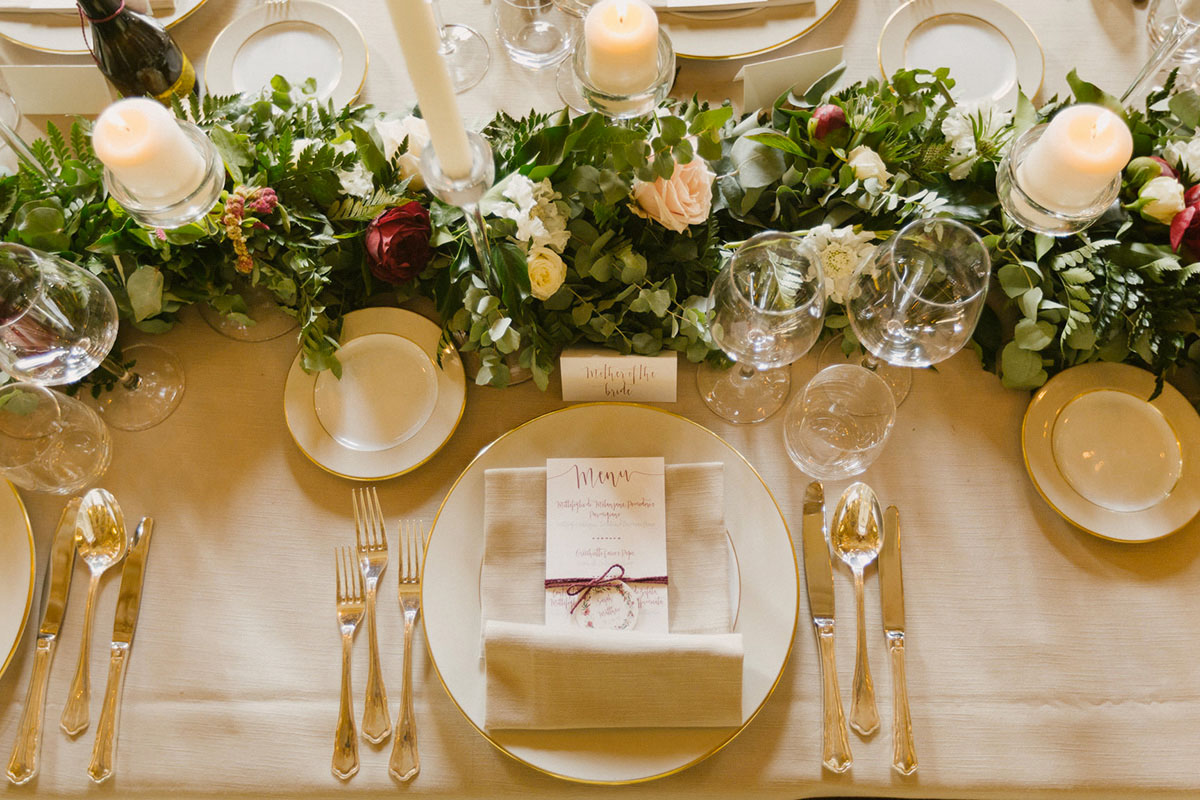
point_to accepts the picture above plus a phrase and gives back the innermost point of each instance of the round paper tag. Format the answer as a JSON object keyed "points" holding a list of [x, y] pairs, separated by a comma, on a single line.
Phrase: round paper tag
{"points": [[613, 608]]}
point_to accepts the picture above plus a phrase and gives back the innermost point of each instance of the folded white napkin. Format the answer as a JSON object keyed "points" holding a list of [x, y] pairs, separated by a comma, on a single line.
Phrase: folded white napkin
{"points": [[551, 677]]}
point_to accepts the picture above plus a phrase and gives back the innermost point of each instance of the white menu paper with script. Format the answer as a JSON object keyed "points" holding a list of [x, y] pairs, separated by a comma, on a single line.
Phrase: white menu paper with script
{"points": [[601, 512]]}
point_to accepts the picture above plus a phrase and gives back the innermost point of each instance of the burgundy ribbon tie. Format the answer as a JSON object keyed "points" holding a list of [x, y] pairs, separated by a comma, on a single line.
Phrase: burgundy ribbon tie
{"points": [[582, 587]]}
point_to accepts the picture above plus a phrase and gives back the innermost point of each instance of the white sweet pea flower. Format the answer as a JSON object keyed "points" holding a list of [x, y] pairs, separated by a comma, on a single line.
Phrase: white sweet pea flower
{"points": [[393, 132], [842, 253], [535, 207], [1184, 156], [546, 272], [1165, 197], [966, 126], [866, 163]]}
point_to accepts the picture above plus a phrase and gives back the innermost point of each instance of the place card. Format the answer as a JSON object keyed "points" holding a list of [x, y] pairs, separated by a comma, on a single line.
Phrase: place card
{"points": [[596, 374], [606, 543], [764, 81]]}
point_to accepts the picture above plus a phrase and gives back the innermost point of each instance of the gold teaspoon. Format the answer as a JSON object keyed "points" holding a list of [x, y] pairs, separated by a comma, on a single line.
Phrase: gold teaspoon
{"points": [[856, 537], [101, 540]]}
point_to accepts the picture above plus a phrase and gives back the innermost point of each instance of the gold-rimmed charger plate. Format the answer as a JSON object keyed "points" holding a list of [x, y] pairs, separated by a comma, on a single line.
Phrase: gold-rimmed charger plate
{"points": [[767, 610], [374, 465], [990, 50], [16, 571], [1179, 506], [59, 33], [725, 35]]}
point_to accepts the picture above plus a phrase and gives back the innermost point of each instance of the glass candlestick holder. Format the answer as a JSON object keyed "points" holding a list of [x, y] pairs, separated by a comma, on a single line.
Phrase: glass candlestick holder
{"points": [[465, 192], [1036, 216], [192, 206], [617, 105]]}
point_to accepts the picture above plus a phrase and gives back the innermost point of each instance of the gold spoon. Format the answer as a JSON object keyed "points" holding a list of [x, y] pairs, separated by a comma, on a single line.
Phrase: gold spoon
{"points": [[855, 535], [102, 540]]}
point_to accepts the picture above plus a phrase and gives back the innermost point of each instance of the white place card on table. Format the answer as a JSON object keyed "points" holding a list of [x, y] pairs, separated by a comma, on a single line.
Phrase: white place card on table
{"points": [[606, 543], [596, 374], [764, 81]]}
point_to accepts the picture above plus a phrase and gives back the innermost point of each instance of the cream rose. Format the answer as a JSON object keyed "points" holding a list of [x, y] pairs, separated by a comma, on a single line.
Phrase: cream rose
{"points": [[546, 272], [866, 163], [1166, 199], [393, 132], [684, 199]]}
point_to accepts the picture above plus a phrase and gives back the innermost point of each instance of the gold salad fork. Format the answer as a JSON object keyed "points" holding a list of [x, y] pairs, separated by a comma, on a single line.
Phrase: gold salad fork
{"points": [[405, 763], [349, 614], [370, 537]]}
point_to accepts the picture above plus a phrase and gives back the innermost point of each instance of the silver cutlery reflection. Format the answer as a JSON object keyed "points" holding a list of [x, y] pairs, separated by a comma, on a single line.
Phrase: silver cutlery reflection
{"points": [[56, 586], [129, 601], [102, 540], [370, 538], [856, 535], [349, 614], [891, 597], [405, 763], [818, 576]]}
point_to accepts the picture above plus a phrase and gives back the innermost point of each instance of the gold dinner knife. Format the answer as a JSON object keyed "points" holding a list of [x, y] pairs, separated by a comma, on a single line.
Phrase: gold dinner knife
{"points": [[891, 596], [56, 585], [818, 575], [129, 601]]}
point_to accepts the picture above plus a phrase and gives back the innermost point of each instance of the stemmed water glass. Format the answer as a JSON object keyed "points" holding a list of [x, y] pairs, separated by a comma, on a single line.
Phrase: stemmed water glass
{"points": [[58, 323], [465, 51], [1187, 23], [917, 302], [766, 310]]}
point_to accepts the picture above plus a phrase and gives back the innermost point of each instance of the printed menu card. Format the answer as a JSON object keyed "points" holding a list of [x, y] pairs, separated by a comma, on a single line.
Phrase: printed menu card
{"points": [[606, 543]]}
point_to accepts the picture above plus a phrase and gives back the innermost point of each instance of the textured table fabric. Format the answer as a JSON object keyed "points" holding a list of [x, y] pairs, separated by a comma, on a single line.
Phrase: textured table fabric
{"points": [[1042, 661]]}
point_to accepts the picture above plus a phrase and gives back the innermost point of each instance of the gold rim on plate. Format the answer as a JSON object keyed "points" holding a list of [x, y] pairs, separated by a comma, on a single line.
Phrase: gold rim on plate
{"points": [[83, 51], [758, 51], [734, 734], [32, 578]]}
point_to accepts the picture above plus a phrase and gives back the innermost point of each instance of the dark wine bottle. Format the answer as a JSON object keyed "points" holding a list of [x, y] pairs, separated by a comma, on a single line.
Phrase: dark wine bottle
{"points": [[136, 53]]}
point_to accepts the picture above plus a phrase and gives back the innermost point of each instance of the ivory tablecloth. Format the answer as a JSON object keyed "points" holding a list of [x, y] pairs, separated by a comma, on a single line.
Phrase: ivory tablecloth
{"points": [[1041, 660]]}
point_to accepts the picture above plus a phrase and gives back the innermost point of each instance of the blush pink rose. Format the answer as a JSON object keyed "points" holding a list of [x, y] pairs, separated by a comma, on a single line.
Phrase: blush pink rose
{"points": [[684, 199]]}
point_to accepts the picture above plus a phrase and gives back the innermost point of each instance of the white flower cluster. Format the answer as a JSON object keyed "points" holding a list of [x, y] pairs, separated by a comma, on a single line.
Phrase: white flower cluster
{"points": [[843, 253], [393, 132], [541, 220], [960, 127], [1184, 156]]}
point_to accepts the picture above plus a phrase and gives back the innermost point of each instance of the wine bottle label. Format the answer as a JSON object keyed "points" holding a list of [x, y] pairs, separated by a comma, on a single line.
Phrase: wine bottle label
{"points": [[183, 86]]}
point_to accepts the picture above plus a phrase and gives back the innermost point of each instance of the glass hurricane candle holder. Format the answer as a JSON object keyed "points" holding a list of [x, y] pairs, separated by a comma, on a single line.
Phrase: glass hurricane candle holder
{"points": [[191, 206], [626, 106], [1036, 216], [465, 192]]}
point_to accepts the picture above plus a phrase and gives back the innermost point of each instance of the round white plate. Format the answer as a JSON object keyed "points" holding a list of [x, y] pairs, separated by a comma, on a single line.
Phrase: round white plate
{"points": [[298, 39], [989, 49], [299, 402], [720, 35], [59, 33], [16, 571], [766, 563], [1107, 460]]}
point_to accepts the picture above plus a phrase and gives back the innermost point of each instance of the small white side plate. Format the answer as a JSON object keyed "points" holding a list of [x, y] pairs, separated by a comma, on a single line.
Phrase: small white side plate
{"points": [[299, 39], [1109, 460], [59, 33], [385, 394], [311, 436], [989, 49], [722, 35]]}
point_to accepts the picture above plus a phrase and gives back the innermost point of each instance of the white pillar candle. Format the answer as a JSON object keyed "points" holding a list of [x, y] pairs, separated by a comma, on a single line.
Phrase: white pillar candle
{"points": [[419, 40], [622, 46], [139, 140], [1082, 149]]}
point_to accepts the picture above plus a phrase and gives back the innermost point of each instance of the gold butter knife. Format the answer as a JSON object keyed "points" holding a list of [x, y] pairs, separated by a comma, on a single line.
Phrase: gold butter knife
{"points": [[891, 597], [56, 585], [129, 602], [818, 575]]}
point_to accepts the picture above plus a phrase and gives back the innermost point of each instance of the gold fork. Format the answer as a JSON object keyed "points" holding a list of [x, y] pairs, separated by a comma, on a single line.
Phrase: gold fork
{"points": [[370, 537], [405, 763], [349, 613]]}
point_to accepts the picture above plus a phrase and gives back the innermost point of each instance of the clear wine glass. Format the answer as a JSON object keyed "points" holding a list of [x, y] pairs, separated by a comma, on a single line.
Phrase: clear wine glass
{"points": [[58, 323], [50, 442], [917, 302], [465, 51], [766, 308], [1187, 23]]}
